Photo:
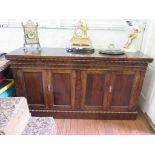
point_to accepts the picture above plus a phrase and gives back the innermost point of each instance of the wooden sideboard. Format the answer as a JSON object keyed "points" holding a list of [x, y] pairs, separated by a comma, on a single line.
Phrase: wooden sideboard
{"points": [[92, 86]]}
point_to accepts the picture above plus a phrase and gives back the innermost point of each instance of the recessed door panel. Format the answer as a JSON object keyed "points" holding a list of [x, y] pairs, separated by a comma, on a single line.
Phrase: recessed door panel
{"points": [[94, 85], [63, 89], [122, 87], [94, 90], [33, 88]]}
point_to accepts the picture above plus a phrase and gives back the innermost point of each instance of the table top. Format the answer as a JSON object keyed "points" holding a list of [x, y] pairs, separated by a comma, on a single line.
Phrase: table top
{"points": [[62, 53]]}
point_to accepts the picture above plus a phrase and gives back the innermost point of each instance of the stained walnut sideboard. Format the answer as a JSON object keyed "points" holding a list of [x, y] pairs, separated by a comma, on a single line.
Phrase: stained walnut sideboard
{"points": [[91, 86]]}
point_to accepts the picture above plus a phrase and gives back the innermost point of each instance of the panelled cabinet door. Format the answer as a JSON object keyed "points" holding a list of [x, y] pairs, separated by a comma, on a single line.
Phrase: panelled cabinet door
{"points": [[32, 86], [123, 90], [94, 89], [61, 86]]}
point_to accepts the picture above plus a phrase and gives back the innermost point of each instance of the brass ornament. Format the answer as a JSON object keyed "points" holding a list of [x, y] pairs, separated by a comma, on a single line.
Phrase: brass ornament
{"points": [[80, 38], [132, 36]]}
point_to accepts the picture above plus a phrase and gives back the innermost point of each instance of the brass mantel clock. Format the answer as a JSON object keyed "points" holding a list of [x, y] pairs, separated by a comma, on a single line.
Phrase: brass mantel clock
{"points": [[31, 35], [80, 38], [80, 42]]}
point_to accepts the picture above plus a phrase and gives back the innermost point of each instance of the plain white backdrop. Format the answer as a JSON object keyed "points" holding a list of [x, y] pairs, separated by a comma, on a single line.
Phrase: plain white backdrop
{"points": [[58, 33]]}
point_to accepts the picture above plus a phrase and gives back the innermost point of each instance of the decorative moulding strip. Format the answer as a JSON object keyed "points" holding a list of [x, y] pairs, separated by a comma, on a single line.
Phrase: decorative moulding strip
{"points": [[67, 111], [76, 60]]}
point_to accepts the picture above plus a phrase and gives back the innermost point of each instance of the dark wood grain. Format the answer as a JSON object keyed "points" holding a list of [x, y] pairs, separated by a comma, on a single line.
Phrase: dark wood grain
{"points": [[33, 87], [94, 90], [57, 53], [61, 88], [65, 85], [93, 85], [121, 88]]}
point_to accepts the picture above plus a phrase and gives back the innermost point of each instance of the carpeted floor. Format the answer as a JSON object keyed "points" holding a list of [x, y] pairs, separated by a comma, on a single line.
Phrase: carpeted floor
{"points": [[40, 126]]}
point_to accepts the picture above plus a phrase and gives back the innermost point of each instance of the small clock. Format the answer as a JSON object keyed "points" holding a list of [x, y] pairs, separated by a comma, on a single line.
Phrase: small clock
{"points": [[31, 35], [78, 32]]}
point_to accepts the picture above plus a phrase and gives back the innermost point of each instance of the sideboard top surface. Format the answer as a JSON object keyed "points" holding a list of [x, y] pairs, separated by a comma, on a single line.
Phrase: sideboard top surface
{"points": [[50, 53]]}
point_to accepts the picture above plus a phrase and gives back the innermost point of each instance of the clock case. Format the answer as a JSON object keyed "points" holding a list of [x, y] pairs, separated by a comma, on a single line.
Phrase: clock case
{"points": [[31, 38]]}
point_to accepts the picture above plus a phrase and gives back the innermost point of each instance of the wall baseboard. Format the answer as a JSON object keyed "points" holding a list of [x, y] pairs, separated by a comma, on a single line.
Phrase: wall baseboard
{"points": [[149, 121]]}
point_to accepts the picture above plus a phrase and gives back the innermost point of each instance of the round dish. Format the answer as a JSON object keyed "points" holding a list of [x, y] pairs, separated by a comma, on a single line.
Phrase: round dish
{"points": [[108, 52]]}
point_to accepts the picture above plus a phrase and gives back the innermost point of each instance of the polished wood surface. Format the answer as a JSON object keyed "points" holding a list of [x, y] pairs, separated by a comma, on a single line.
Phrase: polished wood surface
{"points": [[93, 85], [62, 91], [33, 87], [66, 85], [103, 127], [122, 86], [61, 52]]}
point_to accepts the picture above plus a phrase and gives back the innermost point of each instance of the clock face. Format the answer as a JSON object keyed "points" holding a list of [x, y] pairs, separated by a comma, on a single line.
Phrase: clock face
{"points": [[78, 32], [31, 35]]}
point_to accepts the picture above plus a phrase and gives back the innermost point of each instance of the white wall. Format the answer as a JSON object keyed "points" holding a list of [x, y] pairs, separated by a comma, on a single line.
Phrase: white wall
{"points": [[12, 38], [147, 99]]}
